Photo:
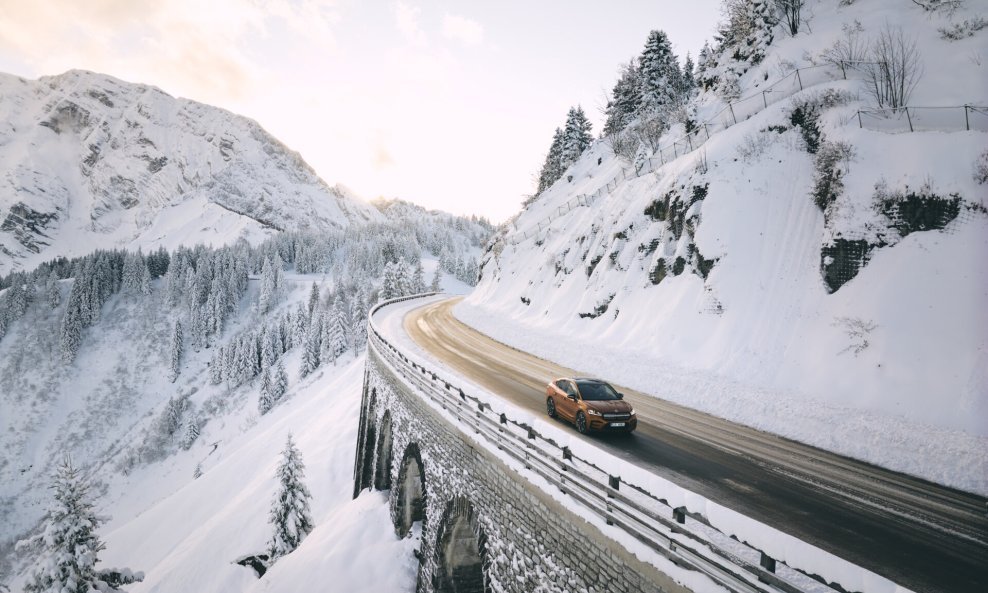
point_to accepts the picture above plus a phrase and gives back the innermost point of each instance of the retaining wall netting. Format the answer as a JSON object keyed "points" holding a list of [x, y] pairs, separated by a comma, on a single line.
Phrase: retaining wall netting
{"points": [[483, 527]]}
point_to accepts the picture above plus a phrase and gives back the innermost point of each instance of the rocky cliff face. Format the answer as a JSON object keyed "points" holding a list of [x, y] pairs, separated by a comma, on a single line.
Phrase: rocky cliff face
{"points": [[88, 161]]}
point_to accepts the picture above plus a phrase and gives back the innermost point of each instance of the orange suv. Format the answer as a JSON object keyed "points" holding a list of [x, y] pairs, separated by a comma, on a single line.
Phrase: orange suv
{"points": [[590, 404]]}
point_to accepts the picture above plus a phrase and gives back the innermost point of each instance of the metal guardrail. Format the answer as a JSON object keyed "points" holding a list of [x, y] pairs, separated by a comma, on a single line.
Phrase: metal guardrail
{"points": [[684, 538]]}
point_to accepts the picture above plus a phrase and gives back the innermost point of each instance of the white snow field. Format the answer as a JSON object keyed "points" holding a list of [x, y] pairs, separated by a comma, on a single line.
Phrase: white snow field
{"points": [[188, 532], [890, 368]]}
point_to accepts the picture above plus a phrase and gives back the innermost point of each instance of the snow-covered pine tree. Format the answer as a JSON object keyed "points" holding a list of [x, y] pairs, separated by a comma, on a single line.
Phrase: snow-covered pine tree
{"points": [[143, 276], [191, 432], [175, 278], [266, 294], [551, 168], [626, 99], [131, 273], [390, 285], [576, 137], [53, 293], [216, 306], [17, 297], [198, 321], [327, 351], [175, 362], [313, 297], [279, 383], [290, 515], [342, 332], [404, 276], [310, 356], [265, 400], [418, 278], [659, 75], [300, 325], [688, 79], [266, 346], [70, 542], [70, 332], [436, 279], [741, 43], [216, 366]]}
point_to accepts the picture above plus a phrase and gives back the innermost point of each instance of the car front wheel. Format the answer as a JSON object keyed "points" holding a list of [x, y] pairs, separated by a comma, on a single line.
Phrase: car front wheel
{"points": [[581, 423], [550, 407]]}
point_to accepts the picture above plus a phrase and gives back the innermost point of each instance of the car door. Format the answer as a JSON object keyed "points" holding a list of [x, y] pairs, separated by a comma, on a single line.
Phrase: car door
{"points": [[567, 404]]}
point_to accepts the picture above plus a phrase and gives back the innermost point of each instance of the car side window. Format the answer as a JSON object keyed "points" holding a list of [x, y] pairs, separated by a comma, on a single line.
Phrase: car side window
{"points": [[566, 386]]}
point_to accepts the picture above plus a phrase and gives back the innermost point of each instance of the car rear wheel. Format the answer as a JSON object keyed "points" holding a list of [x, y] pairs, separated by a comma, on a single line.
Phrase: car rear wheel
{"points": [[581, 423], [550, 407]]}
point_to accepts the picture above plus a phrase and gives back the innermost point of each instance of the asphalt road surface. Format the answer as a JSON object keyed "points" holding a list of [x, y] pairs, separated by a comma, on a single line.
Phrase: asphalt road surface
{"points": [[920, 535]]}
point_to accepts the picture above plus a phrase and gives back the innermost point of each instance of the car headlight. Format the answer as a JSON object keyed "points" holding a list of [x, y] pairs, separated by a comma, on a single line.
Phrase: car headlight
{"points": [[632, 412], [593, 412]]}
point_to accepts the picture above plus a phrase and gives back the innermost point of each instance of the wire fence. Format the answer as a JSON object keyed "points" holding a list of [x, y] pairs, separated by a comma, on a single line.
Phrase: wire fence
{"points": [[903, 119], [925, 119]]}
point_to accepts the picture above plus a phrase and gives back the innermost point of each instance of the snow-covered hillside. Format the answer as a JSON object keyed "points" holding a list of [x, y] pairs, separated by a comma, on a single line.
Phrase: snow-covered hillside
{"points": [[89, 161], [89, 368], [854, 321]]}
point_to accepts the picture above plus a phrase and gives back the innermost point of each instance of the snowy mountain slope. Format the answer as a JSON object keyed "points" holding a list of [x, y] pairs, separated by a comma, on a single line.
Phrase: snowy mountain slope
{"points": [[90, 161], [719, 283], [113, 407]]}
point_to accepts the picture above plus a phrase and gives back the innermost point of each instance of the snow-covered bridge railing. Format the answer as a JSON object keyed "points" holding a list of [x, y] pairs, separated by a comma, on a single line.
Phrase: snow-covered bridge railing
{"points": [[684, 538]]}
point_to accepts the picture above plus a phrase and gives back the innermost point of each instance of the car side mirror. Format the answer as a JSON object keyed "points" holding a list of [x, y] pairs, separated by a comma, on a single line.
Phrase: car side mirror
{"points": [[620, 396], [572, 396]]}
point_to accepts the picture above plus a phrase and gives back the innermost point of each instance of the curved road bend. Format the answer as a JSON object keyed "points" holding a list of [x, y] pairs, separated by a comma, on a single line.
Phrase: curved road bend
{"points": [[921, 535]]}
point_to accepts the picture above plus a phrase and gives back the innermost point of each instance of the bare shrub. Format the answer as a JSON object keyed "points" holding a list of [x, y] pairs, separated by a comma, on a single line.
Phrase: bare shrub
{"points": [[789, 13], [897, 68], [964, 29], [650, 130], [624, 145], [947, 7], [858, 332], [852, 48], [753, 146], [702, 165], [981, 168]]}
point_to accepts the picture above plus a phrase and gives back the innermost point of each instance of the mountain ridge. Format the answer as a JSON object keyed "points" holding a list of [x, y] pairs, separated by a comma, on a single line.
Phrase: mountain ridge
{"points": [[92, 161]]}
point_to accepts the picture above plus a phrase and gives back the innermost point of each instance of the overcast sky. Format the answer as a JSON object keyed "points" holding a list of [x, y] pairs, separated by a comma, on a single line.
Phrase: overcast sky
{"points": [[450, 104]]}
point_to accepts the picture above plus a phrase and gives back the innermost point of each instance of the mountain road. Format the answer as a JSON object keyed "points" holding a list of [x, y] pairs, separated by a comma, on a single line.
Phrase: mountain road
{"points": [[923, 536]]}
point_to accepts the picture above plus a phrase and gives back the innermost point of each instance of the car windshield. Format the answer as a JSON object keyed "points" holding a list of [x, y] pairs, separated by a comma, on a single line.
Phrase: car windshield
{"points": [[596, 391]]}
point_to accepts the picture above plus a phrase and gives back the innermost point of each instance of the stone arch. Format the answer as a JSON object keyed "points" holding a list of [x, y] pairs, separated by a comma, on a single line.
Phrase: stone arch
{"points": [[461, 551], [366, 444], [409, 505], [382, 466]]}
